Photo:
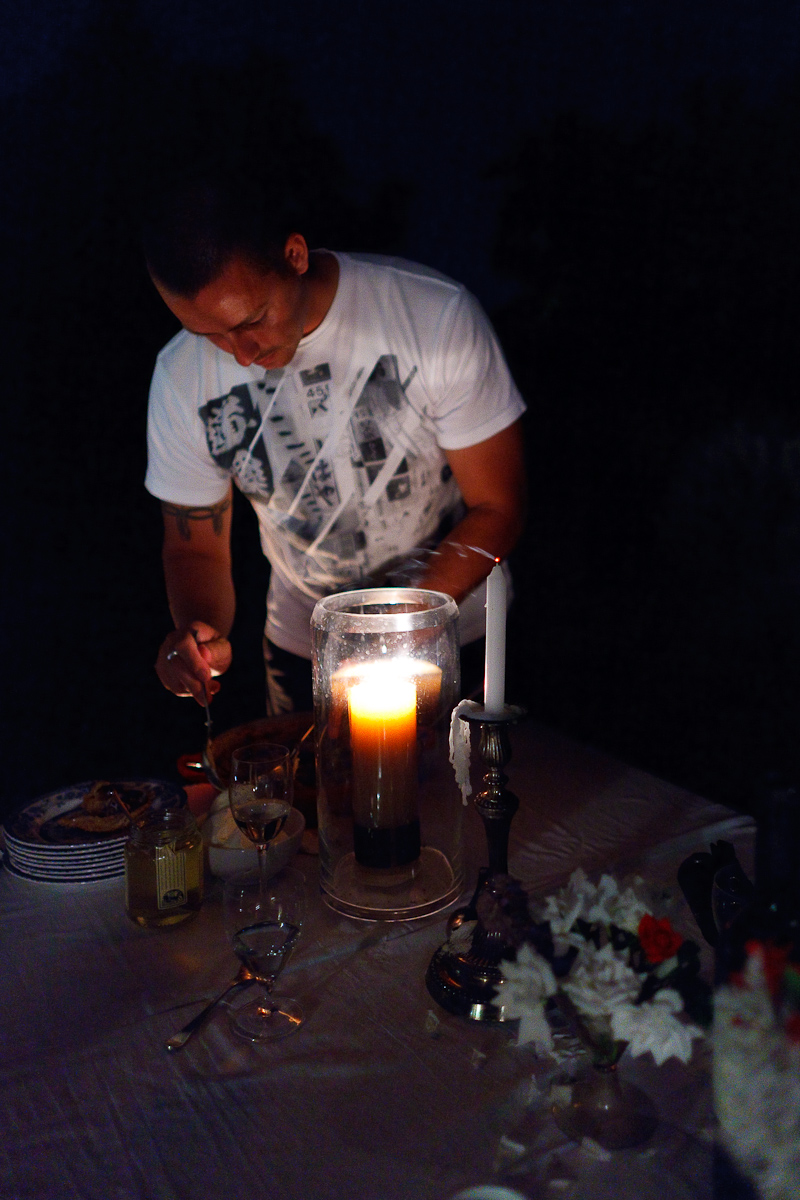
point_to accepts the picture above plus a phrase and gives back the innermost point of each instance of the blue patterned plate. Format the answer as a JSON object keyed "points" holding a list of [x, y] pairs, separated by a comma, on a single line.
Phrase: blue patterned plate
{"points": [[37, 824]]}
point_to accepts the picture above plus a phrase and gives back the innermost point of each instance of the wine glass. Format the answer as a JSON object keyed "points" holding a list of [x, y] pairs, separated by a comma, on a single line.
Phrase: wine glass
{"points": [[261, 789], [264, 925]]}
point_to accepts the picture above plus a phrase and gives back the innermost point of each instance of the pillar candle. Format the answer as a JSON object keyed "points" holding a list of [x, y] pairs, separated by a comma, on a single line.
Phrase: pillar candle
{"points": [[495, 674], [425, 676], [383, 738]]}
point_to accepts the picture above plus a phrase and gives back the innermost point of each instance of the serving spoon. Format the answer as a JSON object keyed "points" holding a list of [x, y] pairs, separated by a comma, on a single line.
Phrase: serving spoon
{"points": [[179, 1040]]}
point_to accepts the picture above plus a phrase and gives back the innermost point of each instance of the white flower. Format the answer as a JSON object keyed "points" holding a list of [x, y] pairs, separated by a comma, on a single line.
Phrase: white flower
{"points": [[600, 980], [627, 910], [601, 904], [653, 1027], [527, 984], [564, 908], [597, 909]]}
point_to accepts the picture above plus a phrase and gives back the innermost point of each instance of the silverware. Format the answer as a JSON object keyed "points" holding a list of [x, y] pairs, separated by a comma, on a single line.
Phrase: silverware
{"points": [[308, 732], [249, 733], [179, 1040], [208, 713], [205, 699], [208, 752]]}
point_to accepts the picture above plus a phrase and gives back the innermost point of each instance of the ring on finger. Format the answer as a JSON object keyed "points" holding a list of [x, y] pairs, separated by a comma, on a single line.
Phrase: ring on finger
{"points": [[173, 654]]}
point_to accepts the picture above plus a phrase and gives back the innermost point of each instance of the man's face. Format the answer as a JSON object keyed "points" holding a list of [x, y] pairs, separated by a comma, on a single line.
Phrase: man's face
{"points": [[249, 311]]}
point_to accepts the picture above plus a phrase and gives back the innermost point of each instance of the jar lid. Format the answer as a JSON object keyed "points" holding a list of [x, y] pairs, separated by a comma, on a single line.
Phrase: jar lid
{"points": [[165, 820]]}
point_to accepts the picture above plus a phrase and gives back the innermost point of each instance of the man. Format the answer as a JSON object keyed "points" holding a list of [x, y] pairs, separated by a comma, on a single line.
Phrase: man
{"points": [[362, 405]]}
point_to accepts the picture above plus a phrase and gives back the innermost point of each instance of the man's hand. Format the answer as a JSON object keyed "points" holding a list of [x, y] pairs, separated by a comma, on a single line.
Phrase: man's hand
{"points": [[197, 569], [189, 658]]}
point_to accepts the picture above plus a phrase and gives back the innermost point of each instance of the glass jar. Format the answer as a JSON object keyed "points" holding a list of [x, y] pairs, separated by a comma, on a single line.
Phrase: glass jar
{"points": [[386, 678], [164, 868]]}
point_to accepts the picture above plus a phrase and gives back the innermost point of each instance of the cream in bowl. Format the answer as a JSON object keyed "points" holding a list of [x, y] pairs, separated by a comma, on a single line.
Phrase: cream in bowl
{"points": [[229, 850]]}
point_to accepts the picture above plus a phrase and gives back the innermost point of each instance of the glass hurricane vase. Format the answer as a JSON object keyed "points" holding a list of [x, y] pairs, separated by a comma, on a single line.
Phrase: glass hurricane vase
{"points": [[386, 679]]}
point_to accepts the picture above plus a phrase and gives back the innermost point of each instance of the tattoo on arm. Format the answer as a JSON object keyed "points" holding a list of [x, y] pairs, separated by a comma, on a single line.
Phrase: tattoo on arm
{"points": [[183, 515]]}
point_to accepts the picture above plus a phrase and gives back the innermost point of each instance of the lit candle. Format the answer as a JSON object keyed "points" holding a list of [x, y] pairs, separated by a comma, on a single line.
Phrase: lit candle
{"points": [[495, 675], [426, 677], [383, 740]]}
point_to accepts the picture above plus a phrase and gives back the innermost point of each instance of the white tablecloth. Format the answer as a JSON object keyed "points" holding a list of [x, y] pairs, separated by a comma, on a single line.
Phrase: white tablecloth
{"points": [[380, 1096]]}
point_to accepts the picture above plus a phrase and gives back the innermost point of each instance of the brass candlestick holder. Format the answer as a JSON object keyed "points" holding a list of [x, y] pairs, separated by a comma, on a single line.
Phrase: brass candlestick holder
{"points": [[464, 971]]}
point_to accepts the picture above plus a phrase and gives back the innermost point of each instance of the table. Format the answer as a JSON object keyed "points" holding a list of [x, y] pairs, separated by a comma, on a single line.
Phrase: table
{"points": [[381, 1095]]}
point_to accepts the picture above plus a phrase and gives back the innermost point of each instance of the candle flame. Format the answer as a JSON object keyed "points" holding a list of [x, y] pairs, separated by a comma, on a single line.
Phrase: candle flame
{"points": [[389, 699]]}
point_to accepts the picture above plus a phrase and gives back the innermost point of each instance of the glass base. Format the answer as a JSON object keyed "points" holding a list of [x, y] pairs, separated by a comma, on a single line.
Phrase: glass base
{"points": [[158, 920], [418, 889], [607, 1109], [266, 1018]]}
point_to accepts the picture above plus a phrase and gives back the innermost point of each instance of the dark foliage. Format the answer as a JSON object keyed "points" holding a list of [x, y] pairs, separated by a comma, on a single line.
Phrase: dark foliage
{"points": [[655, 335], [84, 607]]}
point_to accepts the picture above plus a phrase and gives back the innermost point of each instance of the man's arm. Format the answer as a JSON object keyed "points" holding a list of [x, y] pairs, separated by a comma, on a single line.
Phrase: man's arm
{"points": [[491, 476], [197, 570]]}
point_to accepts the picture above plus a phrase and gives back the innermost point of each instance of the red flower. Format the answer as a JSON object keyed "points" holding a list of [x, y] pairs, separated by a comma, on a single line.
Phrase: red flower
{"points": [[774, 959], [659, 940]]}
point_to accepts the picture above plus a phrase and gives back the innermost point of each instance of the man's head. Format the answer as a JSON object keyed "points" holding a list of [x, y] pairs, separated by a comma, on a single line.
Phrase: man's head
{"points": [[193, 227], [230, 268]]}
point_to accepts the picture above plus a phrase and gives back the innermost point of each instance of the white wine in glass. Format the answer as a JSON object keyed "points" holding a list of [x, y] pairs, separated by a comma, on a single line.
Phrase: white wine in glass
{"points": [[261, 792]]}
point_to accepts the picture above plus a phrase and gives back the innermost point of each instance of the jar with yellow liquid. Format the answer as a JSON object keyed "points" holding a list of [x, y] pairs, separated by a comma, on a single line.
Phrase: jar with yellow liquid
{"points": [[164, 869]]}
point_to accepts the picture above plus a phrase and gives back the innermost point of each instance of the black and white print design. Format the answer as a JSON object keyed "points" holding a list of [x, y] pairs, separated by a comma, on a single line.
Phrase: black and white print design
{"points": [[343, 481], [232, 424]]}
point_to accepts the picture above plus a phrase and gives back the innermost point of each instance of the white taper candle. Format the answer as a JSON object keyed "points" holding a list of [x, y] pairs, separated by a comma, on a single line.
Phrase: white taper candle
{"points": [[495, 674]]}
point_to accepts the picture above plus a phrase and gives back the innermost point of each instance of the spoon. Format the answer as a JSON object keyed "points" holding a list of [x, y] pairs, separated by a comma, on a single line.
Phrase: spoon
{"points": [[209, 751], [205, 697], [307, 734], [179, 1040]]}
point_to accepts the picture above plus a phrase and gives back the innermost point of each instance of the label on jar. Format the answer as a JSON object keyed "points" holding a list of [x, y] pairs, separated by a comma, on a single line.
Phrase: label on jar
{"points": [[170, 877]]}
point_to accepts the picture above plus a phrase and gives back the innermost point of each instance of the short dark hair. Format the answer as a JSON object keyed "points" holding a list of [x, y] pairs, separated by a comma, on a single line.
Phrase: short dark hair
{"points": [[193, 227]]}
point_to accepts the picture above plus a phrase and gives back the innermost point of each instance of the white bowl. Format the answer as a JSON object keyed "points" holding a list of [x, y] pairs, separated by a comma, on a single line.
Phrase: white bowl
{"points": [[229, 851]]}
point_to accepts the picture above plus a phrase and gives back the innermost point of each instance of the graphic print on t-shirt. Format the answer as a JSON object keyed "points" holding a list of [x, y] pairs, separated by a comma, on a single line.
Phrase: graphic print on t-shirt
{"points": [[361, 522], [231, 423], [376, 426], [337, 475], [317, 383]]}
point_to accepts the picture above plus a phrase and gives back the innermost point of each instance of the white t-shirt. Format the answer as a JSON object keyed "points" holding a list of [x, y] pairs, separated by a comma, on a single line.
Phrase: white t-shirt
{"points": [[341, 452]]}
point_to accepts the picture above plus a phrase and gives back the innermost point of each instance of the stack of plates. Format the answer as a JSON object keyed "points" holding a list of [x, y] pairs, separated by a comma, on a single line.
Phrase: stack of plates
{"points": [[86, 857]]}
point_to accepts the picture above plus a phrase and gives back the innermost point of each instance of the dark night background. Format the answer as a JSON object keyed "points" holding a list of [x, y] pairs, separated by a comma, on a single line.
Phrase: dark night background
{"points": [[617, 182]]}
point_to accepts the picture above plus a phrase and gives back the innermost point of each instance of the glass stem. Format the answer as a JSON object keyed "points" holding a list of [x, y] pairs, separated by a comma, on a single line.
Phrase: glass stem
{"points": [[262, 869]]}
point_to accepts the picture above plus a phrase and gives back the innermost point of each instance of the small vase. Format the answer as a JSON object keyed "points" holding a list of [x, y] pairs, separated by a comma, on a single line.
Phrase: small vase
{"points": [[607, 1109]]}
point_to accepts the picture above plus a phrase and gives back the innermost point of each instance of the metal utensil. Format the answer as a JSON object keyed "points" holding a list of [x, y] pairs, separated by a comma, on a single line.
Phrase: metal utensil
{"points": [[179, 1040], [209, 752], [308, 732], [287, 730], [205, 697], [208, 713]]}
